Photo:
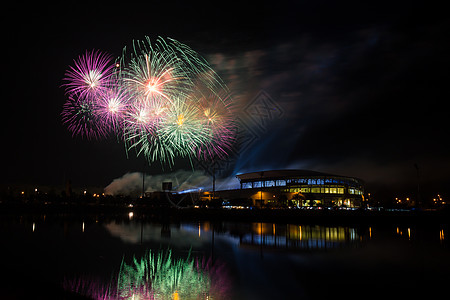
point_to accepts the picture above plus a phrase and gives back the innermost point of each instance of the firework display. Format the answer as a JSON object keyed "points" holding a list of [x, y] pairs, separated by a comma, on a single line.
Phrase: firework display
{"points": [[162, 99]]}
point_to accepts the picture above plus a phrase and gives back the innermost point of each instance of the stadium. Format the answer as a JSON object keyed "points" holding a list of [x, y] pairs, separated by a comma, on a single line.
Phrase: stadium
{"points": [[301, 188]]}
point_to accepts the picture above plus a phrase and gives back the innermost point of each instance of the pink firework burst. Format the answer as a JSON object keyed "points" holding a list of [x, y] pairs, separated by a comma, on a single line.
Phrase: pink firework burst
{"points": [[112, 106], [91, 74], [81, 117]]}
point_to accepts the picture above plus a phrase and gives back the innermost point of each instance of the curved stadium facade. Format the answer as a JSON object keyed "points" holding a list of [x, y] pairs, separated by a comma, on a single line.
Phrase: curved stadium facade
{"points": [[300, 187]]}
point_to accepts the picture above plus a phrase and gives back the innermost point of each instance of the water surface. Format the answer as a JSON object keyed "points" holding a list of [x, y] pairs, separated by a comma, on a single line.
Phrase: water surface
{"points": [[242, 260]]}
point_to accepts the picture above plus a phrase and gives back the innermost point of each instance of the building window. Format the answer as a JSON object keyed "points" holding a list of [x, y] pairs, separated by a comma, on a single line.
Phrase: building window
{"points": [[305, 190], [340, 190], [257, 184], [269, 183], [303, 180], [246, 185], [281, 182], [311, 181], [315, 190], [325, 190], [333, 190], [354, 191]]}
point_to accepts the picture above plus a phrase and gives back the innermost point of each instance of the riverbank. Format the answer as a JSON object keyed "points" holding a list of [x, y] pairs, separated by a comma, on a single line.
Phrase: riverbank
{"points": [[300, 216]]}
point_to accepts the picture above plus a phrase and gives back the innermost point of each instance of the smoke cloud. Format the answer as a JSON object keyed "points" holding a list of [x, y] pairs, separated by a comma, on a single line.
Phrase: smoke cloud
{"points": [[131, 183]]}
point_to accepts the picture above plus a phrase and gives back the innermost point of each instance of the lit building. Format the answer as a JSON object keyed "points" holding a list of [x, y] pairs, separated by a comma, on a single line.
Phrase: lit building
{"points": [[300, 187]]}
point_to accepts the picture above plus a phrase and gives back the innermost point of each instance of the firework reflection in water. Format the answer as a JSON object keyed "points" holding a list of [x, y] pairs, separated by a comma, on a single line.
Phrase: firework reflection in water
{"points": [[158, 276]]}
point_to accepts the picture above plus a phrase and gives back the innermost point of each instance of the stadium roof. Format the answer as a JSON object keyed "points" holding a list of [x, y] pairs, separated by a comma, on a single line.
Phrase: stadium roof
{"points": [[279, 174]]}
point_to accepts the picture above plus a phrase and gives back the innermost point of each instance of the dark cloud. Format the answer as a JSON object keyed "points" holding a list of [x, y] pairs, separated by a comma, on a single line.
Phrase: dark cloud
{"points": [[368, 104]]}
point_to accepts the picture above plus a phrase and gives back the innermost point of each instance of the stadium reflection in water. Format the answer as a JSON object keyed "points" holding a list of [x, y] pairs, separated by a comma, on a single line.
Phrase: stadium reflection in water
{"points": [[298, 237], [105, 257], [246, 235]]}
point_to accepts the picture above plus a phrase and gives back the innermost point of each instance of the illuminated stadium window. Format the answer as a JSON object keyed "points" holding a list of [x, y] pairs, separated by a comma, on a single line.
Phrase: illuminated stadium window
{"points": [[293, 181], [325, 190], [354, 191], [340, 190], [315, 190], [257, 184], [303, 180], [246, 185], [281, 182], [305, 190], [269, 183], [333, 190]]}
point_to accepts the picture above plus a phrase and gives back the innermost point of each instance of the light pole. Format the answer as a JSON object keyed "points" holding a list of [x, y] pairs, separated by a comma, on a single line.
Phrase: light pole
{"points": [[418, 202], [214, 181], [261, 198], [143, 184]]}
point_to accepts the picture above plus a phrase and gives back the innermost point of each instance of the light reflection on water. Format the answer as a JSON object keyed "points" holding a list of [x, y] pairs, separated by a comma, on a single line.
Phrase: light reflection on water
{"points": [[145, 278], [268, 235], [260, 260], [158, 276]]}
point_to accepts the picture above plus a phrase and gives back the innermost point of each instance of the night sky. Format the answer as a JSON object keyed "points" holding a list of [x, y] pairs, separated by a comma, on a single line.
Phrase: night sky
{"points": [[352, 88]]}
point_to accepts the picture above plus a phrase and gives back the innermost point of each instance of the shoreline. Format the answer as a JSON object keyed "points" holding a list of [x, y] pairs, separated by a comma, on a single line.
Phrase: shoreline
{"points": [[168, 214]]}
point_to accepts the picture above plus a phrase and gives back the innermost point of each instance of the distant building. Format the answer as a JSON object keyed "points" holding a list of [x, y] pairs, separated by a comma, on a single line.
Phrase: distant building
{"points": [[299, 187]]}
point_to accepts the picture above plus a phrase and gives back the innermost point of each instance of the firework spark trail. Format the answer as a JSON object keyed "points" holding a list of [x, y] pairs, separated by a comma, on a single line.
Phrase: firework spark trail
{"points": [[218, 121], [112, 107], [141, 128], [199, 66], [182, 128], [90, 76], [162, 98], [154, 70], [81, 118]]}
